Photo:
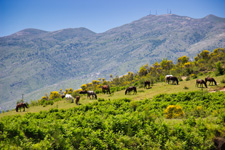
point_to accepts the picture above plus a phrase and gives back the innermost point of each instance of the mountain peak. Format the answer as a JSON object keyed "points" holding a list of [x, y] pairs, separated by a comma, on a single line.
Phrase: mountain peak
{"points": [[214, 18], [29, 32]]}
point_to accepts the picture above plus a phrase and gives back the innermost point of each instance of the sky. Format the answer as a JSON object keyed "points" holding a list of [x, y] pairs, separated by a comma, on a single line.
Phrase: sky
{"points": [[96, 15]]}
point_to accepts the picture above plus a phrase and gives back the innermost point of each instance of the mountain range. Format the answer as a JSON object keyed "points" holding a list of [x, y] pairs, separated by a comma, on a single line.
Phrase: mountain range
{"points": [[34, 61]]}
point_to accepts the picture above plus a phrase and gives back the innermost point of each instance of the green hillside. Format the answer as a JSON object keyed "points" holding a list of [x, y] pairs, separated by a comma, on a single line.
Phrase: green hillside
{"points": [[32, 59], [119, 121], [164, 116], [156, 89]]}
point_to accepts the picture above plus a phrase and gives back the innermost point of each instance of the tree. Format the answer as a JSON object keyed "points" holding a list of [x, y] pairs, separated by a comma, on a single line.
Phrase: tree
{"points": [[84, 87], [166, 64], [219, 69], [204, 54], [142, 71], [182, 60]]}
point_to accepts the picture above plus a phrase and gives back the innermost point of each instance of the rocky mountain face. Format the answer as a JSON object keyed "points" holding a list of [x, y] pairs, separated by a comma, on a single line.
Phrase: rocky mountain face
{"points": [[33, 59]]}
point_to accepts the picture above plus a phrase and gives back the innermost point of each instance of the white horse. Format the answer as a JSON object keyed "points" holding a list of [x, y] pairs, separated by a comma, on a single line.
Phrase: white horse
{"points": [[68, 96], [167, 77]]}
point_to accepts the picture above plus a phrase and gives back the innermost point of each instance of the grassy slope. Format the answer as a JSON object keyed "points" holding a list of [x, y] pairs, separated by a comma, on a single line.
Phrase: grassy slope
{"points": [[158, 88]]}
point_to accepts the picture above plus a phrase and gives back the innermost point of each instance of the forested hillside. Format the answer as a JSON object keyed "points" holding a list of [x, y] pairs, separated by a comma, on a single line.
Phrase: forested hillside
{"points": [[32, 59]]}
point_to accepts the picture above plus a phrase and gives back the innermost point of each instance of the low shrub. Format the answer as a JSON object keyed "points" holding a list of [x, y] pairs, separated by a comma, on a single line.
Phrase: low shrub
{"points": [[174, 111]]}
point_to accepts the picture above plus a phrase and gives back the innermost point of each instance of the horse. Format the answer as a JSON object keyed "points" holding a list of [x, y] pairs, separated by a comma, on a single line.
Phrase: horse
{"points": [[91, 93], [62, 96], [68, 96], [131, 88], [211, 80], [83, 92], [201, 82], [21, 105], [167, 77], [173, 79], [147, 83], [106, 88], [77, 99]]}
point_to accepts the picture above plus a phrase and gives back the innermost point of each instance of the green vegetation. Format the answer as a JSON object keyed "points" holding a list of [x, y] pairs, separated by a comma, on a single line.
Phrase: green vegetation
{"points": [[163, 117], [120, 124]]}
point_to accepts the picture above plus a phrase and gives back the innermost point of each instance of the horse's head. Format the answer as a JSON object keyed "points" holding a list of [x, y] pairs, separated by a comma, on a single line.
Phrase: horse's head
{"points": [[26, 105], [95, 96]]}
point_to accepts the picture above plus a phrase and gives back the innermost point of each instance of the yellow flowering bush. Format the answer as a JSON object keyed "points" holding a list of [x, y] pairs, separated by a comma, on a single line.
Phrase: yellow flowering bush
{"points": [[174, 111], [44, 98], [84, 86], [54, 94]]}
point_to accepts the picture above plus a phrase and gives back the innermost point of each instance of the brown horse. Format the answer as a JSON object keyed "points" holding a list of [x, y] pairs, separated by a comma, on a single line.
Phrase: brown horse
{"points": [[131, 88], [77, 99], [147, 84], [172, 79], [83, 92], [63, 96], [106, 88], [211, 80], [201, 82], [21, 105]]}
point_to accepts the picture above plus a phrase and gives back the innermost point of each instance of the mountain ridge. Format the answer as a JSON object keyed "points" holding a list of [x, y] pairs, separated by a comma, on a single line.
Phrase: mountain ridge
{"points": [[43, 58]]}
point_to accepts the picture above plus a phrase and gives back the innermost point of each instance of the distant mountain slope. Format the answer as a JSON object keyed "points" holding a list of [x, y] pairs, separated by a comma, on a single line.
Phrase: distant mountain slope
{"points": [[34, 59]]}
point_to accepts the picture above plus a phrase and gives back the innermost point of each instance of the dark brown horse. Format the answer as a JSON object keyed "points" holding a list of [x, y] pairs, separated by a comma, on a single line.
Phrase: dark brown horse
{"points": [[211, 80], [172, 79], [63, 96], [147, 84], [77, 99], [201, 82], [91, 93], [131, 88], [106, 88], [83, 92], [21, 105]]}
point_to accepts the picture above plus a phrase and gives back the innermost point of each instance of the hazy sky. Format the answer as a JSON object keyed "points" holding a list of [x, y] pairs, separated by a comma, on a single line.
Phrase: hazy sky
{"points": [[96, 15]]}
